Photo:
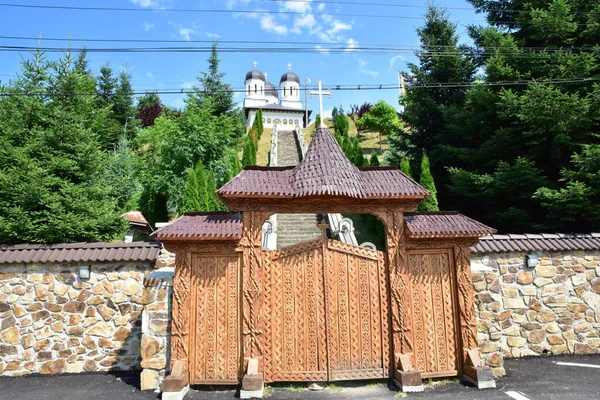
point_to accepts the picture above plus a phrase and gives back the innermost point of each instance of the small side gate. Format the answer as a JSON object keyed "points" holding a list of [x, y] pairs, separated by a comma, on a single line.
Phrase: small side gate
{"points": [[326, 313]]}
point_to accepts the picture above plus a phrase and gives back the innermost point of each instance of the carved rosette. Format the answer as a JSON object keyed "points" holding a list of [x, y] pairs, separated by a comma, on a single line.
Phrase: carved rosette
{"points": [[401, 306], [468, 322], [252, 283]]}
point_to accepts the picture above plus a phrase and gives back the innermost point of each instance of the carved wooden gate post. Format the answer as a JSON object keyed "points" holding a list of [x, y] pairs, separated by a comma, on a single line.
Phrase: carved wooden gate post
{"points": [[473, 367], [401, 305], [253, 296]]}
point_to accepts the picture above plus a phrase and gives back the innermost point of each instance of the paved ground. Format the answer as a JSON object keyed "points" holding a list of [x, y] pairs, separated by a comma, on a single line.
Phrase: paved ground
{"points": [[541, 378]]}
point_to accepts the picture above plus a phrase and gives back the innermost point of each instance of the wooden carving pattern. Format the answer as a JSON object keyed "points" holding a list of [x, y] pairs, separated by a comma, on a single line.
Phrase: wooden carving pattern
{"points": [[434, 312], [401, 306], [468, 323], [331, 303], [181, 309], [382, 296], [216, 344], [252, 283]]}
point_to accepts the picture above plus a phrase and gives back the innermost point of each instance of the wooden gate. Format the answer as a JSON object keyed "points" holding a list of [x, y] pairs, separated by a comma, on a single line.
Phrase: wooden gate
{"points": [[433, 291], [215, 342], [326, 320]]}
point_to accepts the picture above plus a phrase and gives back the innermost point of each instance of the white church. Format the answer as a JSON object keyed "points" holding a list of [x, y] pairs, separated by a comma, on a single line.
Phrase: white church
{"points": [[282, 108]]}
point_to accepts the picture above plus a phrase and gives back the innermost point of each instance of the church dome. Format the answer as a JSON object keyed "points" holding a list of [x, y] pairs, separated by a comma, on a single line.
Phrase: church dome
{"points": [[289, 77], [271, 90], [255, 74]]}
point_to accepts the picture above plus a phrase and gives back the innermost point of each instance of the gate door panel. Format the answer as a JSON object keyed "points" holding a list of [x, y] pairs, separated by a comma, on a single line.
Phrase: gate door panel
{"points": [[215, 350], [356, 313], [298, 314], [432, 282], [328, 313]]}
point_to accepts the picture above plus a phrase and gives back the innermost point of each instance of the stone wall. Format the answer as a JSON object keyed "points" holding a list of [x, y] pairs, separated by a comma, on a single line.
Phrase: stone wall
{"points": [[553, 308], [52, 321], [156, 320]]}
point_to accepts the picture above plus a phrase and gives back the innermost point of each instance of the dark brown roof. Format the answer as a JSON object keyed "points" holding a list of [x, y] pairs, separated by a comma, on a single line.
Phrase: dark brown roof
{"points": [[325, 170], [444, 224], [533, 242], [79, 252], [137, 218], [202, 226]]}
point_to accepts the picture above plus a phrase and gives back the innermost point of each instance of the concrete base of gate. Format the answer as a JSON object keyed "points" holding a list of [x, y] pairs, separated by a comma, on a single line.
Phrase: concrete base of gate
{"points": [[481, 377], [408, 381], [178, 395], [253, 386]]}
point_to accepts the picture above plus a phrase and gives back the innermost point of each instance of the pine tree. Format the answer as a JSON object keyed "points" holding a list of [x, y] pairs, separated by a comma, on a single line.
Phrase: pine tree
{"points": [[214, 204], [249, 154], [53, 184], [259, 123], [374, 160], [213, 86], [430, 203], [341, 125], [196, 193], [357, 154]]}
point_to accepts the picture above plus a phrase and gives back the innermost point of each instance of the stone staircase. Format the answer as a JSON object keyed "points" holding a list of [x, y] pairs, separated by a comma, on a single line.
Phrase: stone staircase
{"points": [[293, 228]]}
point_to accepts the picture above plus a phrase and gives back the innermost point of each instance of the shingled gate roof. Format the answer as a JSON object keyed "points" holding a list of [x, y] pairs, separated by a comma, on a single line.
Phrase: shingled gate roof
{"points": [[228, 226], [325, 170], [202, 226], [444, 224], [79, 252], [538, 242]]}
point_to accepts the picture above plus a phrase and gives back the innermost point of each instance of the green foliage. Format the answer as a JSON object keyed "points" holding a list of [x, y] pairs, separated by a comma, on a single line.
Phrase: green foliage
{"points": [[195, 194], [382, 117], [341, 125], [53, 179], [405, 167], [430, 203], [249, 154], [121, 175], [317, 121], [374, 160], [258, 124]]}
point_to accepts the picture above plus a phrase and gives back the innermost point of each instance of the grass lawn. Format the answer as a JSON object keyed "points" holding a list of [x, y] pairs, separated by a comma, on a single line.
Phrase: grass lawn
{"points": [[369, 140], [264, 147]]}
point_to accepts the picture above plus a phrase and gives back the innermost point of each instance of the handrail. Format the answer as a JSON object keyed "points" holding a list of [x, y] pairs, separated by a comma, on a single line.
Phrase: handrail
{"points": [[301, 142], [273, 154]]}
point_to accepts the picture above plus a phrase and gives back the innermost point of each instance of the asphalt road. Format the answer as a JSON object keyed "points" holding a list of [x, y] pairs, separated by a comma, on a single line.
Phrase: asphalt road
{"points": [[540, 378]]}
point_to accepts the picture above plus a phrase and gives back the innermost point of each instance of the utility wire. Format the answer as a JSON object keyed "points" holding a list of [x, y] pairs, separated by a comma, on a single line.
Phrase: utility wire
{"points": [[368, 87], [222, 11], [412, 47]]}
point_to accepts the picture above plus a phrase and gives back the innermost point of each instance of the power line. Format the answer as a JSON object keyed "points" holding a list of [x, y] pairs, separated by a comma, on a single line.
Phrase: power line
{"points": [[346, 87], [222, 11], [412, 47]]}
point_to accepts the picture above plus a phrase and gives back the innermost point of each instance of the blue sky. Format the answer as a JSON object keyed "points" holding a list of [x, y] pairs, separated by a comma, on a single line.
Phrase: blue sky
{"points": [[320, 23]]}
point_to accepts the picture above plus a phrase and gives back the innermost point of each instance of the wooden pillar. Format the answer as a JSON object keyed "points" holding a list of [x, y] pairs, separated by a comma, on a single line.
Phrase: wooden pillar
{"points": [[252, 279], [468, 323], [401, 304]]}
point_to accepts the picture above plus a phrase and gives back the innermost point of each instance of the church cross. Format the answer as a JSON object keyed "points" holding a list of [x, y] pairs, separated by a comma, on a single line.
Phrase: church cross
{"points": [[255, 64], [266, 76], [289, 67], [320, 93]]}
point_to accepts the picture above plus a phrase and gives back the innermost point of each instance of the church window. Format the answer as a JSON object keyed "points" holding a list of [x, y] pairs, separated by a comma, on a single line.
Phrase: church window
{"points": [[285, 121], [284, 91], [255, 88], [263, 120], [268, 120], [261, 90], [291, 91], [248, 89], [296, 122]]}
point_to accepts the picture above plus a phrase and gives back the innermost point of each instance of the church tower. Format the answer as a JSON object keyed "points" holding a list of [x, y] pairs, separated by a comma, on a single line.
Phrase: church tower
{"points": [[289, 89], [255, 88]]}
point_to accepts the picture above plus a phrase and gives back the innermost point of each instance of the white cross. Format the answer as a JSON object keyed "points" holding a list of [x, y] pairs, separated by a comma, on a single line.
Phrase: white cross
{"points": [[289, 67], [266, 76], [255, 64], [320, 93]]}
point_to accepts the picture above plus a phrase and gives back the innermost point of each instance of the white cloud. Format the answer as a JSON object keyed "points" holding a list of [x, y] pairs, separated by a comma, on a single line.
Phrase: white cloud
{"points": [[338, 26], [232, 3], [213, 36], [295, 6], [303, 22], [394, 59], [150, 75], [147, 26], [361, 69], [321, 49], [182, 31], [187, 85], [149, 3], [351, 45], [321, 7], [268, 23]]}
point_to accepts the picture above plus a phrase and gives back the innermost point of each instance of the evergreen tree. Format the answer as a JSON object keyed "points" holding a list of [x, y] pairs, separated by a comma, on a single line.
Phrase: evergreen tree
{"points": [[213, 86], [405, 167], [430, 203], [249, 154], [214, 204], [195, 194], [53, 184], [357, 154], [341, 125], [235, 166], [374, 161], [121, 174], [317, 121]]}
